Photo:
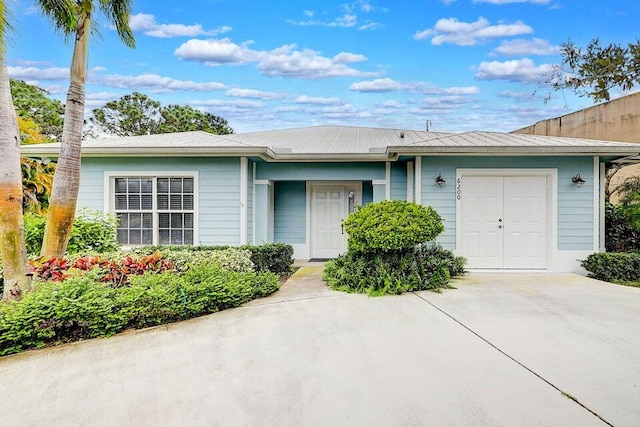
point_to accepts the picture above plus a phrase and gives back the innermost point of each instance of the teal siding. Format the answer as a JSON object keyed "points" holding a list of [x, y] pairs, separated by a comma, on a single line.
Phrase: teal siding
{"points": [[250, 203], [367, 192], [321, 171], [399, 181], [290, 207], [219, 190], [575, 205]]}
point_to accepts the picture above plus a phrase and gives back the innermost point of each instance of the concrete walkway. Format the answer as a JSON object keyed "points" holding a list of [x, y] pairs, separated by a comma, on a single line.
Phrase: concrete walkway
{"points": [[501, 350]]}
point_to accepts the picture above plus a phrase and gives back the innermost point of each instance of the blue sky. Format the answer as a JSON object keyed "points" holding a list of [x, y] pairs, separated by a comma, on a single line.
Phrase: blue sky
{"points": [[459, 64]]}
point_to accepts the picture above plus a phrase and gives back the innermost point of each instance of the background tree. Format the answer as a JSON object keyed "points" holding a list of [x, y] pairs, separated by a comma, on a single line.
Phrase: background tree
{"points": [[33, 104], [137, 114], [75, 19], [595, 70], [182, 118], [131, 115]]}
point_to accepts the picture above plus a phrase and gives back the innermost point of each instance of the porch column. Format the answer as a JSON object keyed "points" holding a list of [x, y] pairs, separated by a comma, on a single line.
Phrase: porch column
{"points": [[263, 202], [379, 190]]}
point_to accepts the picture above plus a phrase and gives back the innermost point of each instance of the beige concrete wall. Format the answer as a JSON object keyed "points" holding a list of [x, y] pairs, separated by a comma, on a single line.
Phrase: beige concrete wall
{"points": [[617, 120]]}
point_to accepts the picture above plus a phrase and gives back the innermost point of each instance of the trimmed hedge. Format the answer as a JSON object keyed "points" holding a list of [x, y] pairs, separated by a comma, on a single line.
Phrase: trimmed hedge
{"points": [[428, 267], [80, 308], [391, 225], [613, 266], [274, 257]]}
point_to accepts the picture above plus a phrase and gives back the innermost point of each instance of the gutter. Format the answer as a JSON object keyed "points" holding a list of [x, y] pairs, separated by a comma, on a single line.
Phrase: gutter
{"points": [[562, 150], [265, 153]]}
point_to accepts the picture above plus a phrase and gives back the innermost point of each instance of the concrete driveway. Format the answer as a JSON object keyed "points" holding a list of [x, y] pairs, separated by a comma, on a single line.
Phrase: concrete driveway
{"points": [[501, 350]]}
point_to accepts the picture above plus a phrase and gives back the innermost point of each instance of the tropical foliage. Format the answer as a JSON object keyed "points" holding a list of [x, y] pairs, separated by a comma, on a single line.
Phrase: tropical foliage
{"points": [[37, 181], [597, 69], [42, 116]]}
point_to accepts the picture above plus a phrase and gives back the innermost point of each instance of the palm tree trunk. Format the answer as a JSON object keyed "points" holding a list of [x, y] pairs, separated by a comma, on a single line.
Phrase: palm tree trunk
{"points": [[12, 244], [66, 181]]}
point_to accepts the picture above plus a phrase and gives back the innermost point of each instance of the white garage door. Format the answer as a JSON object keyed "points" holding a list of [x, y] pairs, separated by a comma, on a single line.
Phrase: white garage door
{"points": [[504, 221]]}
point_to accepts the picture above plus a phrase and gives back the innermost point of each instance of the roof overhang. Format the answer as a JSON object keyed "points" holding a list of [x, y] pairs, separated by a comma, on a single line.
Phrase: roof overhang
{"points": [[265, 153], [564, 150]]}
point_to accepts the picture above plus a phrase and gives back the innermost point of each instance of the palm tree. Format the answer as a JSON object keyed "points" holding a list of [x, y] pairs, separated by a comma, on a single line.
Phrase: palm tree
{"points": [[76, 20], [12, 245]]}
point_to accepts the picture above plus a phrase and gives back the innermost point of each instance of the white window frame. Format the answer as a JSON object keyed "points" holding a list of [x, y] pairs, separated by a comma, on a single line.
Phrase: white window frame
{"points": [[110, 199]]}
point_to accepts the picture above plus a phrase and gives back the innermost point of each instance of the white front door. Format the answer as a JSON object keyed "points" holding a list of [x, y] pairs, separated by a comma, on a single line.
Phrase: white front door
{"points": [[328, 210], [504, 221]]}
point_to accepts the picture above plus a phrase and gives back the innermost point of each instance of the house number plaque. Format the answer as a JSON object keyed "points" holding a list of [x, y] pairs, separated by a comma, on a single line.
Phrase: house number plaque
{"points": [[458, 189]]}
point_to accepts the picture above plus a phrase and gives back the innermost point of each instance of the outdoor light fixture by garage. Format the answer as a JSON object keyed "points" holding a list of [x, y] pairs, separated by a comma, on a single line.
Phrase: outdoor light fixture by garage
{"points": [[440, 180], [578, 181]]}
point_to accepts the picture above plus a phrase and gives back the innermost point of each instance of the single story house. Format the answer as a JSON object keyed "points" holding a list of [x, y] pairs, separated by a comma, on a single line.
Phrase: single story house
{"points": [[508, 201]]}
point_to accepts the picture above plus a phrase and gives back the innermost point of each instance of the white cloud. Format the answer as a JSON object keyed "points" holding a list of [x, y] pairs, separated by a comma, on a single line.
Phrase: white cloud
{"points": [[518, 70], [379, 86], [345, 21], [284, 61], [452, 31], [370, 26], [520, 96], [252, 93], [146, 23], [34, 73], [348, 58], [309, 64], [236, 104], [155, 83], [389, 85], [520, 47], [304, 99], [217, 51], [308, 13]]}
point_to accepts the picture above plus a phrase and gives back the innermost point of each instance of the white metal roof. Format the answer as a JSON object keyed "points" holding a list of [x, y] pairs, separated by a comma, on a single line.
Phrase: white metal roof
{"points": [[339, 143]]}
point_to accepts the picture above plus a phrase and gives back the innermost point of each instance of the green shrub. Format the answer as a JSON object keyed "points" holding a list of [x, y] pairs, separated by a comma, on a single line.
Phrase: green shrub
{"points": [[426, 267], [81, 307], [613, 266], [91, 231], [75, 309], [274, 257], [391, 225], [619, 235]]}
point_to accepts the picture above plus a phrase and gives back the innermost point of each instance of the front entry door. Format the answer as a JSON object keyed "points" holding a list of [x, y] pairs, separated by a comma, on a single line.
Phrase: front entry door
{"points": [[328, 210], [504, 221]]}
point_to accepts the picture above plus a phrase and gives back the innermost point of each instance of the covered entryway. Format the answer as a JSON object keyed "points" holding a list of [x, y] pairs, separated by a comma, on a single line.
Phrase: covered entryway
{"points": [[330, 205], [504, 219]]}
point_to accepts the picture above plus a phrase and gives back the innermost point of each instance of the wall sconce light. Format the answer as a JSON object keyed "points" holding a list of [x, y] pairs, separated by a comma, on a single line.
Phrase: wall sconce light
{"points": [[440, 180], [578, 181]]}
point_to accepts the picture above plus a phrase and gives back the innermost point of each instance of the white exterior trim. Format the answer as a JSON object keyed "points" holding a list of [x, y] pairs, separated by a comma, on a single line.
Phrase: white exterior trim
{"points": [[378, 182], [596, 203], [387, 179], [262, 182], [418, 173], [244, 182], [409, 181], [253, 205], [552, 202], [109, 195]]}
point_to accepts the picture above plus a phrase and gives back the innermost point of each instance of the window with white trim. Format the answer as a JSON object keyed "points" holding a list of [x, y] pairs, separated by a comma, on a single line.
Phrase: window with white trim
{"points": [[155, 210]]}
